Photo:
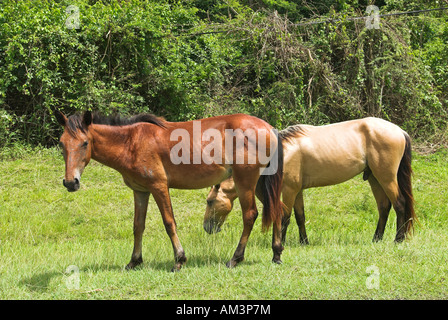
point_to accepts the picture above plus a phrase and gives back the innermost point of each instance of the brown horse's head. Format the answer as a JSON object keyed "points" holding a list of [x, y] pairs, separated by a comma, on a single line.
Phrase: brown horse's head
{"points": [[219, 204], [76, 144]]}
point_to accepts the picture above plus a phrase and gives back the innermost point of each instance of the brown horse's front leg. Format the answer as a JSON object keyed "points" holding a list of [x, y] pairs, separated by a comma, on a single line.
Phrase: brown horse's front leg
{"points": [[140, 208], [162, 197]]}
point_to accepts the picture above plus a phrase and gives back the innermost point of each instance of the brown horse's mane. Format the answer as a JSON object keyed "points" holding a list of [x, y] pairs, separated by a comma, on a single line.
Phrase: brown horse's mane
{"points": [[75, 122], [117, 120]]}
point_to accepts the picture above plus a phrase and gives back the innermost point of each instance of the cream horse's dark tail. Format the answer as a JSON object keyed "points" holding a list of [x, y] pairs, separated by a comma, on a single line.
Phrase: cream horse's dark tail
{"points": [[404, 177]]}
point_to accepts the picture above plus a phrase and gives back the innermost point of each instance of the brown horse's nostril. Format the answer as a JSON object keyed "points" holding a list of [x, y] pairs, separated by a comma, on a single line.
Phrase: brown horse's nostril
{"points": [[71, 185]]}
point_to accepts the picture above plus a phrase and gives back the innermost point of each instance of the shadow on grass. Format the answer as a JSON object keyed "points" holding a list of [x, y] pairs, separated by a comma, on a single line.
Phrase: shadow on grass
{"points": [[40, 282], [193, 261]]}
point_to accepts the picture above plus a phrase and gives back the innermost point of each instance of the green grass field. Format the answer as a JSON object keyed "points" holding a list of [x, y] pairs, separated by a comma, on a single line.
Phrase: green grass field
{"points": [[44, 230]]}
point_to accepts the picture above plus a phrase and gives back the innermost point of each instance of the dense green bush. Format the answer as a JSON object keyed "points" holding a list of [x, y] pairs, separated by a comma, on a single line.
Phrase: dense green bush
{"points": [[192, 59]]}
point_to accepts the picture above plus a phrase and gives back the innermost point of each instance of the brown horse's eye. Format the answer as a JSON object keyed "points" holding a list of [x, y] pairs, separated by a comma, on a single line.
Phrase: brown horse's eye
{"points": [[85, 144]]}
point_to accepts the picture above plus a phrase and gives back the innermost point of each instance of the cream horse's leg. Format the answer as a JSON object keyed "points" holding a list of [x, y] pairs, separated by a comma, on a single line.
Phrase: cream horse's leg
{"points": [[293, 199], [299, 212], [383, 204], [384, 166], [288, 198]]}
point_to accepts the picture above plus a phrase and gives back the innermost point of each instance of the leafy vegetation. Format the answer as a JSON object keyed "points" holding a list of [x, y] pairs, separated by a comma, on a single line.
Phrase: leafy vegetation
{"points": [[193, 59]]}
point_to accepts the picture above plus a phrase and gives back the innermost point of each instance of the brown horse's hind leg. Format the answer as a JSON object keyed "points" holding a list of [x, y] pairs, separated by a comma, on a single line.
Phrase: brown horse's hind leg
{"points": [[140, 208], [383, 205], [299, 212], [250, 214], [246, 194], [162, 197]]}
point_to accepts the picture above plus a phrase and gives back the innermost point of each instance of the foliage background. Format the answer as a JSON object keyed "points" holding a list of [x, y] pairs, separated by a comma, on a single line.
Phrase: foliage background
{"points": [[192, 59]]}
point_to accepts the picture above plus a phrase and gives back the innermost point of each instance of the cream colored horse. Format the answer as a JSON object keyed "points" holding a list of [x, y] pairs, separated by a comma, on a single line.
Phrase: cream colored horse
{"points": [[316, 156]]}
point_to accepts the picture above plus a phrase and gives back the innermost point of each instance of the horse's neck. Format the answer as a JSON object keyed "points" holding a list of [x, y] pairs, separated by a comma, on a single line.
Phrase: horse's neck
{"points": [[110, 145]]}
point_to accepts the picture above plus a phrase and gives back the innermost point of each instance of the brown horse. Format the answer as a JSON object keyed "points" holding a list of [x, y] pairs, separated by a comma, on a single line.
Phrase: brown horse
{"points": [[331, 154], [154, 155]]}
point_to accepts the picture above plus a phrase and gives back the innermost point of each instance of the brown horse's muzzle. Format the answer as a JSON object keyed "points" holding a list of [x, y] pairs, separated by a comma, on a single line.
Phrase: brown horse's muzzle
{"points": [[72, 185], [211, 226]]}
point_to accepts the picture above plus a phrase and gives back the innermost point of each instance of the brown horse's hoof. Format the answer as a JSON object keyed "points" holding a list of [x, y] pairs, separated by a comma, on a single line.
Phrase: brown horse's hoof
{"points": [[399, 239], [277, 261], [176, 267], [179, 260], [233, 262], [134, 263], [377, 237]]}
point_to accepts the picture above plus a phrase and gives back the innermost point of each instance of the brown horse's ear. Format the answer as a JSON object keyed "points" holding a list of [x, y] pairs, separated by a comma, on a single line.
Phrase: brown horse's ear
{"points": [[60, 117], [87, 118]]}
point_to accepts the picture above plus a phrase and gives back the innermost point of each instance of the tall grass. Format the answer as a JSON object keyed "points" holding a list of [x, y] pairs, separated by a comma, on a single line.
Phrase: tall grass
{"points": [[44, 230]]}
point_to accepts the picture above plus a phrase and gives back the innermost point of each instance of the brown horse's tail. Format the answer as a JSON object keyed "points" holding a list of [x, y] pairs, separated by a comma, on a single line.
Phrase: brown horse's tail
{"points": [[271, 186], [405, 184]]}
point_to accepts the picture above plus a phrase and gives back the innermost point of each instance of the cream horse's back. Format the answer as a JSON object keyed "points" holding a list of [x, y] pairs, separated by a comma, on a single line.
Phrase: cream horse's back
{"points": [[327, 155], [316, 156]]}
